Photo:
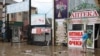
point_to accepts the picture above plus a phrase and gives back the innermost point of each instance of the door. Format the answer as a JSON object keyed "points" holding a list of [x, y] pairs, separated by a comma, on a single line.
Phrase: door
{"points": [[90, 41], [97, 35], [15, 34]]}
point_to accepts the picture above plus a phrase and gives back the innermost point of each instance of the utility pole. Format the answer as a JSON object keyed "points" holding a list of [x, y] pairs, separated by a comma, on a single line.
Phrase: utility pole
{"points": [[30, 39]]}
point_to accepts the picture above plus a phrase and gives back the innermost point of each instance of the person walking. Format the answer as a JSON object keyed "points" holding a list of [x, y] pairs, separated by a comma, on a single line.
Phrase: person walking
{"points": [[84, 41]]}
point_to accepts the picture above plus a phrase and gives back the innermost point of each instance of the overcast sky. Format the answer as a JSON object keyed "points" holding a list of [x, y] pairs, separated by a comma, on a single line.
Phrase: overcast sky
{"points": [[43, 6]]}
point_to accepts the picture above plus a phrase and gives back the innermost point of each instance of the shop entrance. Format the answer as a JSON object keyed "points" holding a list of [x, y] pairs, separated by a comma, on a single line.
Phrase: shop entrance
{"points": [[90, 41], [94, 34], [89, 29], [93, 31], [97, 35]]}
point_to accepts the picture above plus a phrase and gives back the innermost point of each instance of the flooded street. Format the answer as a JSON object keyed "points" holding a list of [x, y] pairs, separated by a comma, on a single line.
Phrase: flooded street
{"points": [[22, 49]]}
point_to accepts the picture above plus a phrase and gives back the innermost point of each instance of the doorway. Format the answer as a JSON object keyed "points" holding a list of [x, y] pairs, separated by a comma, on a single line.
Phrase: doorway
{"points": [[90, 42], [97, 35]]}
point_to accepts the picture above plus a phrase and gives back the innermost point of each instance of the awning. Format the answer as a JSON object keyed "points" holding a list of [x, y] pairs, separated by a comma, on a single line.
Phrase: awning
{"points": [[16, 23]]}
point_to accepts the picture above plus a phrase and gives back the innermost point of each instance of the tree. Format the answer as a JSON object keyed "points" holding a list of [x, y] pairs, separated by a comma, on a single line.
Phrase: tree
{"points": [[84, 6]]}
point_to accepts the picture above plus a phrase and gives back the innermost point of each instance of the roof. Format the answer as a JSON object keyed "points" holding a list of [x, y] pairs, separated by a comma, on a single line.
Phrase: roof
{"points": [[8, 1]]}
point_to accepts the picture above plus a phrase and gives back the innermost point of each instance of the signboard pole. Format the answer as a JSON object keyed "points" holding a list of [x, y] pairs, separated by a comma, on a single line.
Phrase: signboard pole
{"points": [[45, 28], [29, 12], [53, 25]]}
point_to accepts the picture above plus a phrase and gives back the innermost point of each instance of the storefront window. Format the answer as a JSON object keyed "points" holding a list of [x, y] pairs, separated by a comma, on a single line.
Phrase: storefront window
{"points": [[77, 27], [89, 29]]}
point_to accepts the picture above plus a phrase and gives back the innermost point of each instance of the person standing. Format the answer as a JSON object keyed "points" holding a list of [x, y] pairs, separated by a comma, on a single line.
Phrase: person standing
{"points": [[3, 34], [9, 34], [84, 41]]}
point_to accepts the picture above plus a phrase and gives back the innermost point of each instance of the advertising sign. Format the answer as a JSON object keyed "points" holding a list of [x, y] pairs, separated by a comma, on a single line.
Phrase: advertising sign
{"points": [[75, 21], [75, 39], [18, 7], [36, 31], [82, 14], [38, 19], [60, 9], [40, 30]]}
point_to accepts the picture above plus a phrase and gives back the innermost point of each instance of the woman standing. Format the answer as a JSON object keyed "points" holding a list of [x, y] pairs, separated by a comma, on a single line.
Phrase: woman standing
{"points": [[84, 41]]}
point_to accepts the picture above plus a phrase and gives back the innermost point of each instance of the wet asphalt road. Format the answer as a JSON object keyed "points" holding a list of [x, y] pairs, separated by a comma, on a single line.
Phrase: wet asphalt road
{"points": [[22, 49]]}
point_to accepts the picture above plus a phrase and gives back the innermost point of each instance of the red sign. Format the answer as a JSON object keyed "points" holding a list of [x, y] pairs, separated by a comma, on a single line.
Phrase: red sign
{"points": [[38, 31], [75, 33], [81, 14], [75, 38], [77, 43]]}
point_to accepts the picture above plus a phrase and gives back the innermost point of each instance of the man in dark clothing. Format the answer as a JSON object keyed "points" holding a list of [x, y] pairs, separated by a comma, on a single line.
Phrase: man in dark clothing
{"points": [[9, 34]]}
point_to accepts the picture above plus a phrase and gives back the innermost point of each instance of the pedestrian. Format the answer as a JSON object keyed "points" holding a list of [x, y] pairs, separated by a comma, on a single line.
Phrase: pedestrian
{"points": [[3, 33], [84, 41], [9, 34]]}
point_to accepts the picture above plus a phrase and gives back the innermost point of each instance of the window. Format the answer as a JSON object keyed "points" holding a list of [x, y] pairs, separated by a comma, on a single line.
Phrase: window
{"points": [[13, 17], [77, 26], [25, 15]]}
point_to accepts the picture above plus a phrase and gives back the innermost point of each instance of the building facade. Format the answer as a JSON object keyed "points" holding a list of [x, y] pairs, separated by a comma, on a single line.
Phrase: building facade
{"points": [[16, 20], [84, 15]]}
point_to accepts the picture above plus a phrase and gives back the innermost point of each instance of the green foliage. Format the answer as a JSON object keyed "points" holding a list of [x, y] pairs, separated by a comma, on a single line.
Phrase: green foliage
{"points": [[89, 42], [85, 6]]}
